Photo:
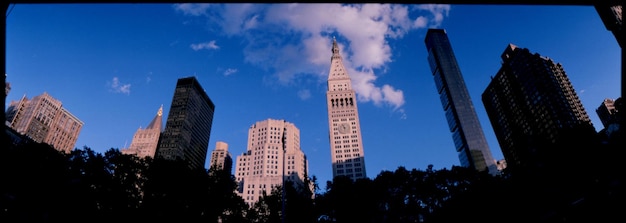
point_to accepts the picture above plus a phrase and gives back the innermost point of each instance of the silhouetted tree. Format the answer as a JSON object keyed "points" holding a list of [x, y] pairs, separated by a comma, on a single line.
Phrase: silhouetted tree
{"points": [[33, 177], [299, 202], [175, 192], [350, 201], [268, 208], [125, 187], [41, 184], [399, 200], [224, 203]]}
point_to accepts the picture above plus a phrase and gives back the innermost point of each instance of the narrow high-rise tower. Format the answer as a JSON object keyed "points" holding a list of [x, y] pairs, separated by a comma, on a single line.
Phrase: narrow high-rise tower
{"points": [[346, 143], [221, 158], [188, 125], [469, 140], [145, 141]]}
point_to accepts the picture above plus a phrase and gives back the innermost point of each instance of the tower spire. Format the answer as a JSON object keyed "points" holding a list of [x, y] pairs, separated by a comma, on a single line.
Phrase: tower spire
{"points": [[156, 123], [337, 69], [335, 50]]}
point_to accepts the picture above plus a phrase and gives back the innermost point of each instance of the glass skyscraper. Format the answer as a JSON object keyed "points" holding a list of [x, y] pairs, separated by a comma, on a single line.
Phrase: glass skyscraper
{"points": [[469, 140], [188, 126]]}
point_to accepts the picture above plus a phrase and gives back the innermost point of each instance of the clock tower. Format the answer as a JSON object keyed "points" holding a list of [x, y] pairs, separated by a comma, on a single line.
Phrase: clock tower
{"points": [[346, 144]]}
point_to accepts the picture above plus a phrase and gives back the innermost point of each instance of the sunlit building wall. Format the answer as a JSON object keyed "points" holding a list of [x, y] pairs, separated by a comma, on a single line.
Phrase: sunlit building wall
{"points": [[273, 152], [44, 120], [221, 158], [146, 140]]}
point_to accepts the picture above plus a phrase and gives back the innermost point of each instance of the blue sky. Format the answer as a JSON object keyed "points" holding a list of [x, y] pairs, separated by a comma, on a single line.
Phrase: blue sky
{"points": [[114, 65]]}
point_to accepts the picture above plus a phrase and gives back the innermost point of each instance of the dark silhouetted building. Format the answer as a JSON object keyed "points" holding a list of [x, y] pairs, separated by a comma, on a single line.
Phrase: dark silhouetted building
{"points": [[188, 126], [469, 140], [610, 12], [531, 103], [607, 112], [612, 120]]}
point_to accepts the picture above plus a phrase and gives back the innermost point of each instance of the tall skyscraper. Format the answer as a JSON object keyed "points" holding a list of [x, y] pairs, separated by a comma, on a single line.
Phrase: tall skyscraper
{"points": [[346, 143], [146, 141], [469, 140], [45, 121], [273, 153], [188, 126], [221, 158], [530, 102]]}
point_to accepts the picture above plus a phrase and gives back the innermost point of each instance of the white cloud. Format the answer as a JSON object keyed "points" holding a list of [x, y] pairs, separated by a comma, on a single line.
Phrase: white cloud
{"points": [[229, 71], [392, 96], [403, 114], [118, 87], [293, 41], [437, 11], [363, 82], [208, 45], [304, 94], [192, 9], [420, 22]]}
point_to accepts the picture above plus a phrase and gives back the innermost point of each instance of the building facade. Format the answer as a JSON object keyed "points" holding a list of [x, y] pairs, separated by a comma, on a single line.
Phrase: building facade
{"points": [[610, 11], [346, 143], [607, 112], [611, 120], [221, 158], [468, 136], [530, 102], [273, 155], [44, 120], [145, 141], [188, 126]]}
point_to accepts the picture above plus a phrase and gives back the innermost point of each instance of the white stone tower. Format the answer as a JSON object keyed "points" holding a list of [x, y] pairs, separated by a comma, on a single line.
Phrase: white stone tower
{"points": [[346, 144]]}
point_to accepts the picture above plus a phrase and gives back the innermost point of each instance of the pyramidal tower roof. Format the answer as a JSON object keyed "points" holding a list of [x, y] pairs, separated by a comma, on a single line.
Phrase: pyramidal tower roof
{"points": [[157, 121], [337, 69]]}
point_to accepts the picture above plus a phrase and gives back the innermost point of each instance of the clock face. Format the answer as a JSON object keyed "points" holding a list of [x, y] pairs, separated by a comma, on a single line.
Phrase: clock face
{"points": [[344, 128]]}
